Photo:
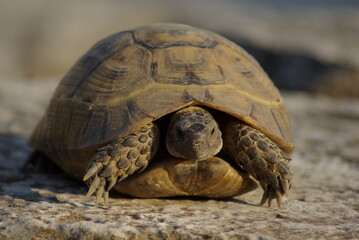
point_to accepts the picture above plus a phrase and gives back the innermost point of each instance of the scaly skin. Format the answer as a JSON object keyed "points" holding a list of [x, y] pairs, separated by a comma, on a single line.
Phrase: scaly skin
{"points": [[119, 159], [193, 134], [263, 159]]}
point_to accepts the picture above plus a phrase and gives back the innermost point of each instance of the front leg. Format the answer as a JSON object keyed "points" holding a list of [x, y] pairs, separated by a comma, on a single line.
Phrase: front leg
{"points": [[262, 158], [119, 159]]}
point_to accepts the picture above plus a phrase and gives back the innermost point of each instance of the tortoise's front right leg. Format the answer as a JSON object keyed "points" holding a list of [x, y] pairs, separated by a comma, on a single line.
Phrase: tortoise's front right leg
{"points": [[119, 159]]}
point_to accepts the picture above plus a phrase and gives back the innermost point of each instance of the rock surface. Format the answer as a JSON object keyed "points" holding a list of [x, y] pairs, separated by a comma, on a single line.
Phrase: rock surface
{"points": [[323, 204]]}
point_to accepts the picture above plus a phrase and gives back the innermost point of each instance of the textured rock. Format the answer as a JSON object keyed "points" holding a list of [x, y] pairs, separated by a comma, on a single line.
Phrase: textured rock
{"points": [[323, 204]]}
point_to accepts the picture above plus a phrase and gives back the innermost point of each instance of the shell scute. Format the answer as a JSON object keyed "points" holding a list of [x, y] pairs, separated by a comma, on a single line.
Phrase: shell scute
{"points": [[134, 77]]}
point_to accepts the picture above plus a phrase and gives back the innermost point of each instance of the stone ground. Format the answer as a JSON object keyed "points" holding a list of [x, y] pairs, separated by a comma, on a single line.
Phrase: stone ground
{"points": [[323, 203]]}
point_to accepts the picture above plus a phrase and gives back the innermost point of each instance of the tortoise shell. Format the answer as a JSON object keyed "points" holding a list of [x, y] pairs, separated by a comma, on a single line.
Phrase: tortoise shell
{"points": [[137, 76]]}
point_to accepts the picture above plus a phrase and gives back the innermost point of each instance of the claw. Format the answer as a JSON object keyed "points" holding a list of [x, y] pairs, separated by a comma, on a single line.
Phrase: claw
{"points": [[271, 196], [285, 186], [278, 197], [264, 198], [112, 183], [94, 185], [122, 177], [105, 198], [109, 170], [99, 194], [92, 171]]}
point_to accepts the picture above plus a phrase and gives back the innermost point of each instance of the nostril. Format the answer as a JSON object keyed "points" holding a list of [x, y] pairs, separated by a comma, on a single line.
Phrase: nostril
{"points": [[180, 134], [212, 131]]}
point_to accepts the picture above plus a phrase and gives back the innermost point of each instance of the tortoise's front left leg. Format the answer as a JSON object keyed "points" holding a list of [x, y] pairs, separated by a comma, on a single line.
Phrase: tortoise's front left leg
{"points": [[119, 159], [262, 158]]}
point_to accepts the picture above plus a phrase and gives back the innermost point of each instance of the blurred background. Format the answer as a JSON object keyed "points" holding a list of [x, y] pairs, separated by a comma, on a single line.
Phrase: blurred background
{"points": [[309, 45]]}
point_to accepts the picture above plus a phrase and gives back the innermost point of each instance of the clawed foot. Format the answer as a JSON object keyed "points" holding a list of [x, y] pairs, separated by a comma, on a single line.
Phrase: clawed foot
{"points": [[98, 186], [274, 190], [276, 182], [99, 179], [119, 159], [262, 158]]}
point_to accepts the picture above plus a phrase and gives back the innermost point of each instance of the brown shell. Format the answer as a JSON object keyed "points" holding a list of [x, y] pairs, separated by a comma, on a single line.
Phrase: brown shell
{"points": [[136, 76]]}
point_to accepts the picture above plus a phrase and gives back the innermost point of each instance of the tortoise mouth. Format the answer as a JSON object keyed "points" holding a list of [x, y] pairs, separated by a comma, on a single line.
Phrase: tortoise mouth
{"points": [[196, 149]]}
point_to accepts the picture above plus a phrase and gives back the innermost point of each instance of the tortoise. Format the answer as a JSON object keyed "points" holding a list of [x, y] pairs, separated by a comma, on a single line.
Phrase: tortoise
{"points": [[168, 110]]}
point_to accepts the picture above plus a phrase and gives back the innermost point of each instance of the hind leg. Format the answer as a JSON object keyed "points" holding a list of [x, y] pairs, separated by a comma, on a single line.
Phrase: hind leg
{"points": [[119, 159], [261, 157]]}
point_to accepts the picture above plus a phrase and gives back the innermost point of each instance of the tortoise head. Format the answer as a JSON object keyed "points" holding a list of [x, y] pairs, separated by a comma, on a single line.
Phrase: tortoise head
{"points": [[193, 134]]}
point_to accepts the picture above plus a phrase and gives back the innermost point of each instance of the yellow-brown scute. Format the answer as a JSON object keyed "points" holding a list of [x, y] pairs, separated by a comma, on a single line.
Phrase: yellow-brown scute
{"points": [[134, 77]]}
